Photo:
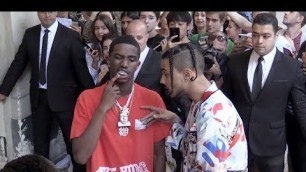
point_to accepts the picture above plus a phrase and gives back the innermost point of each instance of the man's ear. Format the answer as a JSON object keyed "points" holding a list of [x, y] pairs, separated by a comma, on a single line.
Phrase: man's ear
{"points": [[301, 18], [277, 33], [138, 63], [189, 74]]}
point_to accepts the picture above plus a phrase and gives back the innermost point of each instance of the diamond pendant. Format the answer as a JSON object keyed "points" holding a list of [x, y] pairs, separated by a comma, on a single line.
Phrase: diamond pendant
{"points": [[123, 131], [124, 123], [124, 118], [124, 111]]}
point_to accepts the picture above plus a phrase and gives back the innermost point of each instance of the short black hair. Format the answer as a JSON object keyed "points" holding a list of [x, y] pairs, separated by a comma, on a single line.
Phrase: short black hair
{"points": [[127, 39], [183, 16], [266, 19], [131, 14]]}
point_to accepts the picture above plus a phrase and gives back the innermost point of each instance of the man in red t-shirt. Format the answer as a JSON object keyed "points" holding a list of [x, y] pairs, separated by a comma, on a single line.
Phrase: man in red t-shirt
{"points": [[106, 132]]}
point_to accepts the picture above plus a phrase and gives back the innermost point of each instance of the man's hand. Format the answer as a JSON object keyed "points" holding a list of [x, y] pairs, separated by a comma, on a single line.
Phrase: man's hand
{"points": [[2, 98], [215, 69], [168, 44], [243, 45], [111, 94], [159, 114]]}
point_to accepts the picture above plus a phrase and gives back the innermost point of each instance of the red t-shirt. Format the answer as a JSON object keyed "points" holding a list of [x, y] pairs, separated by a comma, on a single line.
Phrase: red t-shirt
{"points": [[114, 152]]}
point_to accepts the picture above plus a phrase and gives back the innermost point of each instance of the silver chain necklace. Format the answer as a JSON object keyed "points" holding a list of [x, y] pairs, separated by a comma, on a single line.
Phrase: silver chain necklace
{"points": [[124, 123]]}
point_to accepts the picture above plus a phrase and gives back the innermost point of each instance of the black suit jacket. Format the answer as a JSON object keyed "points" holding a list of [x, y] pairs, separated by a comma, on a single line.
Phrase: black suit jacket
{"points": [[264, 119], [150, 72], [67, 73]]}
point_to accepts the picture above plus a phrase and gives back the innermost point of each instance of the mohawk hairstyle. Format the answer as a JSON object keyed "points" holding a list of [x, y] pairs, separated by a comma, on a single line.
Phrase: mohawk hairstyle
{"points": [[185, 55]]}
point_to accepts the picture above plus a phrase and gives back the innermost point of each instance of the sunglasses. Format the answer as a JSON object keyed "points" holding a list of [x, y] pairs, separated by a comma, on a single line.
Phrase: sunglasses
{"points": [[220, 38]]}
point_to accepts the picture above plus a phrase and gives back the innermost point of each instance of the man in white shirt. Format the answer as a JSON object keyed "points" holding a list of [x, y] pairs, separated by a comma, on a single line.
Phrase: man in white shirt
{"points": [[261, 90], [148, 73]]}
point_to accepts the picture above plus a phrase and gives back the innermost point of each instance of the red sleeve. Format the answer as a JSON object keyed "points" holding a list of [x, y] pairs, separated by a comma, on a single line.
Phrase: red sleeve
{"points": [[81, 118]]}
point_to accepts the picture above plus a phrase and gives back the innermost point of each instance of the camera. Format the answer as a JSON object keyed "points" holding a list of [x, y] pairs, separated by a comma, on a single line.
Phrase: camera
{"points": [[209, 55], [203, 41]]}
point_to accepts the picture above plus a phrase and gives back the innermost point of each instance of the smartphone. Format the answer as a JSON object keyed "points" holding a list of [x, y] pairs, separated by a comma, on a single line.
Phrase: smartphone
{"points": [[87, 46], [175, 31], [243, 37], [203, 40], [75, 24]]}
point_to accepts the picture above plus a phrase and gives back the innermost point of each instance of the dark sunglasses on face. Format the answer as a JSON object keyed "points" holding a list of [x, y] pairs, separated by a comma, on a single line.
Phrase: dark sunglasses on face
{"points": [[220, 38]]}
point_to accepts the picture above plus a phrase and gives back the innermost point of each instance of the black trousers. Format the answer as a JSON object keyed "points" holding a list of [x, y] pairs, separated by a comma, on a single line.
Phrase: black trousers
{"points": [[42, 119], [296, 144], [266, 163]]}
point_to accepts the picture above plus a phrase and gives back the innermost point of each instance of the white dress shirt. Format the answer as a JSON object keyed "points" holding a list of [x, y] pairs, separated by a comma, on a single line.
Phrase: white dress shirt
{"points": [[266, 66], [51, 36], [142, 58]]}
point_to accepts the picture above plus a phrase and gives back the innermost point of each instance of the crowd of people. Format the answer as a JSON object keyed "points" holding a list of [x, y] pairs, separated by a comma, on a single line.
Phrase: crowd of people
{"points": [[167, 91]]}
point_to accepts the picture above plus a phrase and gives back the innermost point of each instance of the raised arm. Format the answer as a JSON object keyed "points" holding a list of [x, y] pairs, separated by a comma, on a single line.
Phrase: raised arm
{"points": [[84, 145], [241, 21]]}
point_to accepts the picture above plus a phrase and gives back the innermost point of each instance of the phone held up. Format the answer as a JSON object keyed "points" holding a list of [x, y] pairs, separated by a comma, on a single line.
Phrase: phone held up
{"points": [[243, 37], [90, 49], [175, 31], [86, 45]]}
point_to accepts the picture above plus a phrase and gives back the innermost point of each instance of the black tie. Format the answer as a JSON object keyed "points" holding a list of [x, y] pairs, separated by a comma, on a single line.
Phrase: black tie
{"points": [[42, 68], [257, 80]]}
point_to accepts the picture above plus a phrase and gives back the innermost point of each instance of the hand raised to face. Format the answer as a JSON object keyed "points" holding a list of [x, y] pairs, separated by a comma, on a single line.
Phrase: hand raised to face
{"points": [[167, 44], [111, 94]]}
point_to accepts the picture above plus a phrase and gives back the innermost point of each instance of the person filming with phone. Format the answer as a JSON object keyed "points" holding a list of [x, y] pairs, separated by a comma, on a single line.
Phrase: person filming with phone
{"points": [[102, 25], [179, 23]]}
